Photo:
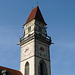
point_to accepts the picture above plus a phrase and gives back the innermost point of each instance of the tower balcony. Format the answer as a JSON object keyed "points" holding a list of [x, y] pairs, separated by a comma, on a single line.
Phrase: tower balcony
{"points": [[35, 36]]}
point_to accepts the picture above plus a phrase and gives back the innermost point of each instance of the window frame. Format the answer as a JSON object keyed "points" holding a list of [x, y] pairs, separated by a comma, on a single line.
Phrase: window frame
{"points": [[27, 68], [29, 29]]}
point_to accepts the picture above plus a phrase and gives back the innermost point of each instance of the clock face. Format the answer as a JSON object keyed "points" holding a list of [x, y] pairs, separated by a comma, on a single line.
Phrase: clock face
{"points": [[42, 49], [26, 51]]}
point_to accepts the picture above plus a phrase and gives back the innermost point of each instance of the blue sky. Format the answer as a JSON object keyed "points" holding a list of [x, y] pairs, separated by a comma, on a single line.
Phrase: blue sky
{"points": [[60, 17]]}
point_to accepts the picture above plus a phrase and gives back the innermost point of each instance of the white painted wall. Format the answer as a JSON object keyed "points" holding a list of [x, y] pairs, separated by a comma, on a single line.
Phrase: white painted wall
{"points": [[31, 66], [28, 56]]}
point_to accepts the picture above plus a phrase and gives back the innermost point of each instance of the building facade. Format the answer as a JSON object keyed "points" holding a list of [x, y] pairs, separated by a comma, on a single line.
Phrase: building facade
{"points": [[35, 52]]}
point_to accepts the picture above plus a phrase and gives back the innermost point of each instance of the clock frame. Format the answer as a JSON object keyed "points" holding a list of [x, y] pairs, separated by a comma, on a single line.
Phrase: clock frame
{"points": [[26, 51]]}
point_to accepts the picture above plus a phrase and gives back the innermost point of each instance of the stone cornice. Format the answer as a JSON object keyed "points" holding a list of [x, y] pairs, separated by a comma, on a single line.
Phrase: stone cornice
{"points": [[35, 36]]}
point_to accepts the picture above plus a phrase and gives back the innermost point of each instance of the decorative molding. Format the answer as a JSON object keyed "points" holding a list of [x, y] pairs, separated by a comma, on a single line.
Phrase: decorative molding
{"points": [[35, 36]]}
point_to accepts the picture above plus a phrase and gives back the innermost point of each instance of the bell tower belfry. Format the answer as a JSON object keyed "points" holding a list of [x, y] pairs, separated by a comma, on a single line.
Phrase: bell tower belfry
{"points": [[35, 53]]}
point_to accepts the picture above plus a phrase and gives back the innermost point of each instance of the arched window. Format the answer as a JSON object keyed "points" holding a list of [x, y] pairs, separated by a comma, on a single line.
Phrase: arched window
{"points": [[27, 68], [42, 68]]}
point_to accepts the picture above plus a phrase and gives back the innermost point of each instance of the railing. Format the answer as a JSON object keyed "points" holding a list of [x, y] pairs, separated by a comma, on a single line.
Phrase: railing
{"points": [[26, 38], [47, 38], [36, 36]]}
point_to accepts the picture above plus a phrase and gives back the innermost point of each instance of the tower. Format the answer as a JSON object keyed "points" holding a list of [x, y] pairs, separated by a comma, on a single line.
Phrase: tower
{"points": [[35, 55]]}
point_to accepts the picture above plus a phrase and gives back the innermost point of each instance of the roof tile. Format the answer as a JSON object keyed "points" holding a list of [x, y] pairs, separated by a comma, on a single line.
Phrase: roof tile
{"points": [[35, 14], [10, 71]]}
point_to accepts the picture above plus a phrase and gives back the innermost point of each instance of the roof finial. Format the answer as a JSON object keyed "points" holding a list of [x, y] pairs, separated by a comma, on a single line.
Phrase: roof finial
{"points": [[37, 3], [32, 7]]}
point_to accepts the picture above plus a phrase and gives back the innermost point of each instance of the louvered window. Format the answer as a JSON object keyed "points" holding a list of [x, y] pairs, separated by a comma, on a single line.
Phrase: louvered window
{"points": [[29, 29], [40, 29]]}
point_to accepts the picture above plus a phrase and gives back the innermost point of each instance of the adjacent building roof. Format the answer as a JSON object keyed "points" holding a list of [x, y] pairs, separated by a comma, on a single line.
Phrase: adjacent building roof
{"points": [[36, 14], [9, 71]]}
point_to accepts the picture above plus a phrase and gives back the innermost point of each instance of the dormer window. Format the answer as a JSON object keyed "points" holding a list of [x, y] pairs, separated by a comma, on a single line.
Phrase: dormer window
{"points": [[29, 29]]}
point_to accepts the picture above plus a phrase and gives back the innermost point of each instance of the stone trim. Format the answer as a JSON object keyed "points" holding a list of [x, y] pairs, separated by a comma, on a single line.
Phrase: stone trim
{"points": [[35, 58], [35, 36]]}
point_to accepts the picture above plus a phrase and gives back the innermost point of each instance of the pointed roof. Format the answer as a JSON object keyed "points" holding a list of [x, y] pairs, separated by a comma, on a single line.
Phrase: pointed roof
{"points": [[10, 71], [36, 14]]}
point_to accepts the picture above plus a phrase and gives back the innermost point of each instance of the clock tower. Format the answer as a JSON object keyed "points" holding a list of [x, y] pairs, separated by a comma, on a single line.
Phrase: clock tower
{"points": [[35, 52]]}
